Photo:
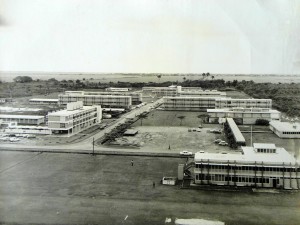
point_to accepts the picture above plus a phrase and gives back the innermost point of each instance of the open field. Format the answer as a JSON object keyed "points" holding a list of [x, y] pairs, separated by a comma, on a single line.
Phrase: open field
{"points": [[82, 189]]}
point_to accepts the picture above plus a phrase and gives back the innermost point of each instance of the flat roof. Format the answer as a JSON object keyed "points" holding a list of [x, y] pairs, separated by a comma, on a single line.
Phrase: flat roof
{"points": [[249, 156], [98, 96], [66, 112], [130, 132], [235, 130], [264, 145], [20, 116], [44, 99], [285, 126]]}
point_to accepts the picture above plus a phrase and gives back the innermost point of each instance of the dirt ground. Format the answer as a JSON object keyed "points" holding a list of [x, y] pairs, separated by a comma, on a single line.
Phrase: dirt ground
{"points": [[174, 139], [43, 188]]}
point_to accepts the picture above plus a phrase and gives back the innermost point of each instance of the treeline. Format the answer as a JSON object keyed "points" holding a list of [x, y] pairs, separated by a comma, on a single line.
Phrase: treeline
{"points": [[286, 97]]}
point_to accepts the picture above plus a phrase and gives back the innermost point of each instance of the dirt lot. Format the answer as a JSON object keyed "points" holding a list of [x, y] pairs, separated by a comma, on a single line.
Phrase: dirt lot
{"points": [[82, 189], [161, 131]]}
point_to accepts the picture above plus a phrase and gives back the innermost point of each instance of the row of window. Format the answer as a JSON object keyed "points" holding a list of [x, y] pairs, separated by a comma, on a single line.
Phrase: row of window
{"points": [[246, 168], [242, 179], [291, 132], [263, 150]]}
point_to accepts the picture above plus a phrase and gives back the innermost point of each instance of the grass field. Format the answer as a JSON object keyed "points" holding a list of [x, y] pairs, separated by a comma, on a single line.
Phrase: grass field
{"points": [[43, 188]]}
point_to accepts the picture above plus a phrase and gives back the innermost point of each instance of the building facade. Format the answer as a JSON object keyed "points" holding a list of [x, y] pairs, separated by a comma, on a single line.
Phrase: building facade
{"points": [[285, 129], [222, 103], [106, 101], [263, 165], [188, 103], [74, 119], [243, 115], [23, 119], [41, 101]]}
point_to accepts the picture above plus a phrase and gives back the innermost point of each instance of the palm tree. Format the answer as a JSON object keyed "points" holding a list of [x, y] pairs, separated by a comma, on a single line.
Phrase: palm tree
{"points": [[159, 76], [212, 77], [207, 74], [141, 117], [181, 118], [203, 76]]}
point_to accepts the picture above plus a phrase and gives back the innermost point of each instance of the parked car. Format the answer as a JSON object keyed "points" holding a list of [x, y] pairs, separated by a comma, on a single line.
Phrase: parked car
{"points": [[14, 139], [217, 131], [186, 153], [224, 143], [217, 141]]}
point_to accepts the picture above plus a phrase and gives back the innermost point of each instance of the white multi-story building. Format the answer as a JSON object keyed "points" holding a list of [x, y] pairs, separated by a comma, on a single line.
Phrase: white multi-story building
{"points": [[23, 119], [106, 101], [74, 119], [188, 103], [243, 115], [285, 129], [206, 93], [136, 97], [161, 91], [263, 165], [222, 103]]}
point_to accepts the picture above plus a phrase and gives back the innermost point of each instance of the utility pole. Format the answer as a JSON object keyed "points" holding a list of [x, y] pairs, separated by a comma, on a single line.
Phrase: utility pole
{"points": [[251, 135], [93, 146]]}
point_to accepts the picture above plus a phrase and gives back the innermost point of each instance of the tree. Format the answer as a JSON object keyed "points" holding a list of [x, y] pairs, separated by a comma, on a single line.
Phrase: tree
{"points": [[141, 117], [181, 118], [22, 79]]}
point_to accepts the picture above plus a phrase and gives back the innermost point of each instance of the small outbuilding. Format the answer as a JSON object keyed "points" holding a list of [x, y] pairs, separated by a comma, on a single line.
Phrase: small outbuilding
{"points": [[130, 132], [285, 129]]}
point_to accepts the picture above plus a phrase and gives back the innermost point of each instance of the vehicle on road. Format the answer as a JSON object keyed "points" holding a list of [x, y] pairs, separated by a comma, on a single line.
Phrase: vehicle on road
{"points": [[224, 143], [14, 139], [216, 131], [186, 153]]}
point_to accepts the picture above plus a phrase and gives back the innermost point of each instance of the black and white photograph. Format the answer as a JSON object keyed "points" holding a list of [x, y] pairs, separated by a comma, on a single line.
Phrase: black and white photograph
{"points": [[132, 112]]}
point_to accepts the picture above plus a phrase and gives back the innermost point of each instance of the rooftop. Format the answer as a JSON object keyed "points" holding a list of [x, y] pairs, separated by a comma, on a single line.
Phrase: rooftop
{"points": [[43, 99], [285, 126], [21, 116], [65, 112], [236, 131], [249, 156]]}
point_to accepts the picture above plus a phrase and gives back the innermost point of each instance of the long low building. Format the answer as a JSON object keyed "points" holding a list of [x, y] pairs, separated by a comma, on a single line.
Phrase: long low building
{"points": [[237, 134], [263, 165], [222, 103], [285, 129], [23, 119], [42, 101], [74, 119], [243, 115], [106, 101], [188, 103], [206, 93], [17, 129]]}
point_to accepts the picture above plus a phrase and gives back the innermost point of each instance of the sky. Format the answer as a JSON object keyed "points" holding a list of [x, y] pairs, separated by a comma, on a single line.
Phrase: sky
{"points": [[151, 36]]}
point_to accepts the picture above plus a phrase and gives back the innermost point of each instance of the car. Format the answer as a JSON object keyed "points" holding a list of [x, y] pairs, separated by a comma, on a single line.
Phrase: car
{"points": [[186, 153], [14, 139], [224, 143], [217, 141], [217, 131], [200, 126], [198, 129]]}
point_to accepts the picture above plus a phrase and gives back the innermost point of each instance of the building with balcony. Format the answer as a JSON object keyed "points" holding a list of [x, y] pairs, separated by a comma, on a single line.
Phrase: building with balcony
{"points": [[222, 103], [243, 115], [188, 103], [74, 119], [263, 165], [105, 101]]}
